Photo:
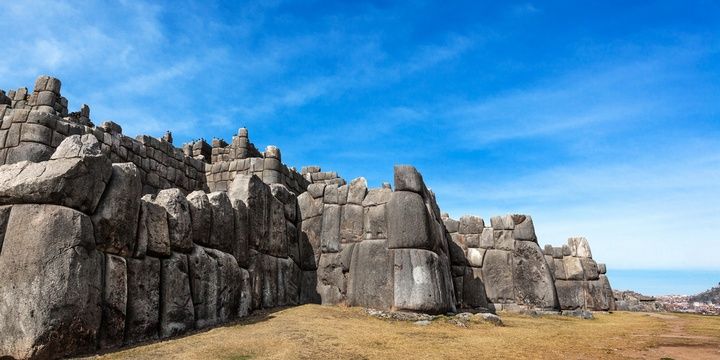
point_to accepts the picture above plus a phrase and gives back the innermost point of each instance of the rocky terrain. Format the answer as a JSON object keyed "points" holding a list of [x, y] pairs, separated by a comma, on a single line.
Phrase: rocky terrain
{"points": [[706, 302], [108, 241]]}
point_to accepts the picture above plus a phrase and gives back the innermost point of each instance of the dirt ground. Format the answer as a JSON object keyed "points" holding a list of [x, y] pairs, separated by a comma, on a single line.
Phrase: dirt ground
{"points": [[328, 332]]}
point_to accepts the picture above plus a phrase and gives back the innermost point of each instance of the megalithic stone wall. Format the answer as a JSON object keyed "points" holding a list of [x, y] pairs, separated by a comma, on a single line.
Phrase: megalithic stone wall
{"points": [[581, 283], [500, 267], [88, 262], [379, 248], [107, 241]]}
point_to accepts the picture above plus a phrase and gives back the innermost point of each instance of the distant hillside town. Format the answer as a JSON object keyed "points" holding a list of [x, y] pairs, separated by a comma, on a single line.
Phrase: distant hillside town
{"points": [[705, 303]]}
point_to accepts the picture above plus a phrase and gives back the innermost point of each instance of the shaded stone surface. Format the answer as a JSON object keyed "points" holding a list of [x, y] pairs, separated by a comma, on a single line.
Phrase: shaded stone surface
{"points": [[497, 274], [114, 304], [153, 234], [371, 275], [116, 218], [50, 285], [201, 217], [177, 314], [143, 305], [203, 272]]}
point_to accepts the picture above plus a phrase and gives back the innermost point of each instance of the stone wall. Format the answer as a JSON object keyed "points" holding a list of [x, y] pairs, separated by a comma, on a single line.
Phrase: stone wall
{"points": [[581, 283], [241, 158], [31, 130], [88, 262], [107, 241], [378, 248], [500, 267]]}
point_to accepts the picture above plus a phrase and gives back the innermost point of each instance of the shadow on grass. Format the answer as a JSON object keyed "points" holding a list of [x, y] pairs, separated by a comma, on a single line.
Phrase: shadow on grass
{"points": [[258, 316]]}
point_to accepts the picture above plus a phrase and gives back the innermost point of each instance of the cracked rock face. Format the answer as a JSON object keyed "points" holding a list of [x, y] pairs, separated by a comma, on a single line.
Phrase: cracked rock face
{"points": [[50, 285], [75, 177]]}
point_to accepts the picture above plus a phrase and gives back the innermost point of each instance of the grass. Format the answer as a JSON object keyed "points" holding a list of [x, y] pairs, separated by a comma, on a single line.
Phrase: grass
{"points": [[318, 332]]}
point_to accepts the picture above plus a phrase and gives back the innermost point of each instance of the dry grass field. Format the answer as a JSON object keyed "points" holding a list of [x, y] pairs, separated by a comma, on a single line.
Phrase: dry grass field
{"points": [[327, 332]]}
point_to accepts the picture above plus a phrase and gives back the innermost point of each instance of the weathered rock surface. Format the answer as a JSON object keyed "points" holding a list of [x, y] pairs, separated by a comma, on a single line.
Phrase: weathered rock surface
{"points": [[114, 302], [497, 274], [203, 272], [177, 314], [50, 285], [222, 230], [153, 233], [76, 182], [143, 305], [201, 217], [422, 282], [178, 217], [407, 221], [533, 282], [371, 275], [116, 218]]}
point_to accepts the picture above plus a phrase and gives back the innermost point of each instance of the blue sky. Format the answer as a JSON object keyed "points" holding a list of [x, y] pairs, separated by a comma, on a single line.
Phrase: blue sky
{"points": [[600, 119]]}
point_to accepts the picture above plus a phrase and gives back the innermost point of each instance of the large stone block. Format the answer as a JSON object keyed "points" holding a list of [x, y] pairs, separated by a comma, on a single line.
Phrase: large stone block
{"points": [[471, 225], [377, 197], [143, 305], [200, 216], [203, 271], [573, 268], [77, 183], [579, 247], [50, 283], [331, 281], [408, 223], [330, 236], [116, 218], [231, 286], [257, 198], [474, 289], [571, 294], [524, 228], [177, 313], [602, 268], [153, 234], [276, 244], [534, 285], [222, 230], [504, 222], [289, 283], [607, 292], [287, 198], [28, 151], [371, 275], [357, 191], [497, 273], [559, 267], [451, 225], [596, 297], [475, 257], [241, 241], [114, 304], [503, 240], [178, 214], [422, 282], [590, 269], [309, 243], [351, 223], [407, 178], [309, 207], [375, 222], [487, 238]]}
